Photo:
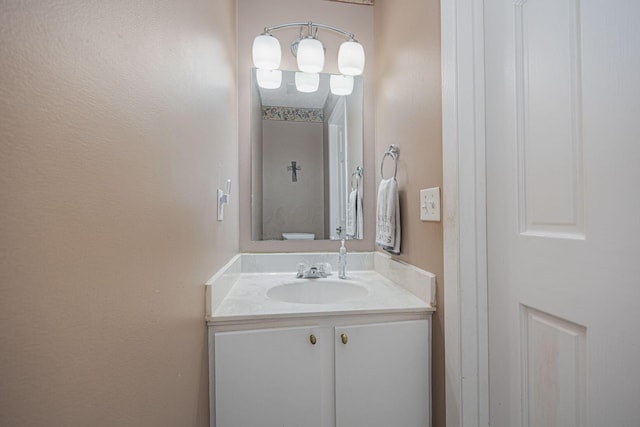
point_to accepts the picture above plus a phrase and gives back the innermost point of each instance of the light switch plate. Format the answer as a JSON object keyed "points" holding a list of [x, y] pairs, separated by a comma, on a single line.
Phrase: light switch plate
{"points": [[430, 204]]}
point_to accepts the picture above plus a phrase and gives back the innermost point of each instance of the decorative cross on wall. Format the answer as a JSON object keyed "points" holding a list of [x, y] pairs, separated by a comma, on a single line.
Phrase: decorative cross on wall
{"points": [[294, 171]]}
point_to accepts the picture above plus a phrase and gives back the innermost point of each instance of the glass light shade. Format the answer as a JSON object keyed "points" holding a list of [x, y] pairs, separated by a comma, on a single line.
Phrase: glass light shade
{"points": [[351, 58], [269, 79], [341, 85], [266, 52], [310, 55], [307, 82]]}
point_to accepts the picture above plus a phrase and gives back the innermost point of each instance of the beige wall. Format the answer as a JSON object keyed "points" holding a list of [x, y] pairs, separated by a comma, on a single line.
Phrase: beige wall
{"points": [[253, 16], [408, 113], [117, 123]]}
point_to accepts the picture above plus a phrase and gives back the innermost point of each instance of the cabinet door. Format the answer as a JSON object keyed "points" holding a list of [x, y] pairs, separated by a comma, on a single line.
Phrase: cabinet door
{"points": [[382, 375], [270, 377]]}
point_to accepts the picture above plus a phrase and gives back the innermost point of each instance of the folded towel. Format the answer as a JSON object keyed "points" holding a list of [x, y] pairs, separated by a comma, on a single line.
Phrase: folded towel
{"points": [[388, 216], [354, 215], [359, 218]]}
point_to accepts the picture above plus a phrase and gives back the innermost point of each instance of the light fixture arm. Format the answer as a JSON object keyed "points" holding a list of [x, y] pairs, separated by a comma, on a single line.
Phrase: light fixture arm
{"points": [[310, 25]]}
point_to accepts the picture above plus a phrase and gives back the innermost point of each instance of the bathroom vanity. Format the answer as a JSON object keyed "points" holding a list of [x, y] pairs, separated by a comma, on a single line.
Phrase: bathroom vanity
{"points": [[319, 352]]}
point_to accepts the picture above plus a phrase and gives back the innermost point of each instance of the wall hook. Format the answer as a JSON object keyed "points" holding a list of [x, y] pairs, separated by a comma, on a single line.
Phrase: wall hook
{"points": [[223, 199]]}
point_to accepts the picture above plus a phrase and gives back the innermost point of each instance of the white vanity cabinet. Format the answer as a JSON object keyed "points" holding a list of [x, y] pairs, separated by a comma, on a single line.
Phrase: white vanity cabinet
{"points": [[382, 375], [341, 371], [269, 377]]}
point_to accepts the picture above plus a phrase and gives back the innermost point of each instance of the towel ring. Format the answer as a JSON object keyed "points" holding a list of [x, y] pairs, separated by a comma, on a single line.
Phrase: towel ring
{"points": [[357, 174], [393, 152]]}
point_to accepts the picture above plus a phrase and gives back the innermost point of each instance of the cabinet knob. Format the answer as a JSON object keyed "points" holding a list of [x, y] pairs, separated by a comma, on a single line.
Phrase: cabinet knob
{"points": [[344, 338], [313, 339]]}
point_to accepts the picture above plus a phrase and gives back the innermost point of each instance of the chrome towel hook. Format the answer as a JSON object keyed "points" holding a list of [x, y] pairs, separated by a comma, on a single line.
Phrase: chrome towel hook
{"points": [[393, 152]]}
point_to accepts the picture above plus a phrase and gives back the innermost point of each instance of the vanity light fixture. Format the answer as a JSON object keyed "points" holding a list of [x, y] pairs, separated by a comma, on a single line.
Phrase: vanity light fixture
{"points": [[308, 50], [307, 82], [310, 55], [351, 58], [266, 52], [269, 79], [341, 85]]}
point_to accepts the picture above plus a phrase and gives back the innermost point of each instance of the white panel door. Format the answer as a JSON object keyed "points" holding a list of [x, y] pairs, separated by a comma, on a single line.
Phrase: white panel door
{"points": [[563, 212], [382, 375], [272, 378]]}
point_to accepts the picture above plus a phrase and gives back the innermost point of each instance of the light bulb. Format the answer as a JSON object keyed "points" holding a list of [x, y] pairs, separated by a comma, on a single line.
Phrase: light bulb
{"points": [[310, 55], [307, 82], [341, 85], [351, 58], [269, 79], [266, 52]]}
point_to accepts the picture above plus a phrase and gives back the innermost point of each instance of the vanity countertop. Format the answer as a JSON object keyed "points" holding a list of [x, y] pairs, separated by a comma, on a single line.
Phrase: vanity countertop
{"points": [[248, 300]]}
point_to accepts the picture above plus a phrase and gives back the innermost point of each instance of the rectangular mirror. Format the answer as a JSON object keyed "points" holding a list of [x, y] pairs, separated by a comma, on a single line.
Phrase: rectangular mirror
{"points": [[306, 161]]}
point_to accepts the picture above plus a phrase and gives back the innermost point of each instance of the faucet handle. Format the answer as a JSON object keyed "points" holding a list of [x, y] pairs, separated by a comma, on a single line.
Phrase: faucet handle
{"points": [[302, 267], [322, 269], [326, 268]]}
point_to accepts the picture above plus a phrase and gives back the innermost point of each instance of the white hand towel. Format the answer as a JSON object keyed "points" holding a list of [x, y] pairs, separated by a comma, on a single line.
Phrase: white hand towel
{"points": [[388, 216], [359, 217], [352, 213]]}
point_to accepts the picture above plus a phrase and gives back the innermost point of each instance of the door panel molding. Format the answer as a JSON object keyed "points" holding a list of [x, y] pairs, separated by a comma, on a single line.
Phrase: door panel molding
{"points": [[551, 188], [553, 370]]}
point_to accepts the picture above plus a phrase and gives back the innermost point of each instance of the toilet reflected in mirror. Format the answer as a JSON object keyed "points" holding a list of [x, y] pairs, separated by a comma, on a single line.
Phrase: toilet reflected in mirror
{"points": [[298, 236]]}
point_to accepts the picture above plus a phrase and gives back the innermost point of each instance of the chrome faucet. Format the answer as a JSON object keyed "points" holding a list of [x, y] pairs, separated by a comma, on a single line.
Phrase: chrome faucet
{"points": [[313, 272]]}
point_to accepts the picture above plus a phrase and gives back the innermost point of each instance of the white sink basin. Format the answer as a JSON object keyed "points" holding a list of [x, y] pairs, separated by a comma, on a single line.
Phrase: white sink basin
{"points": [[318, 291]]}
